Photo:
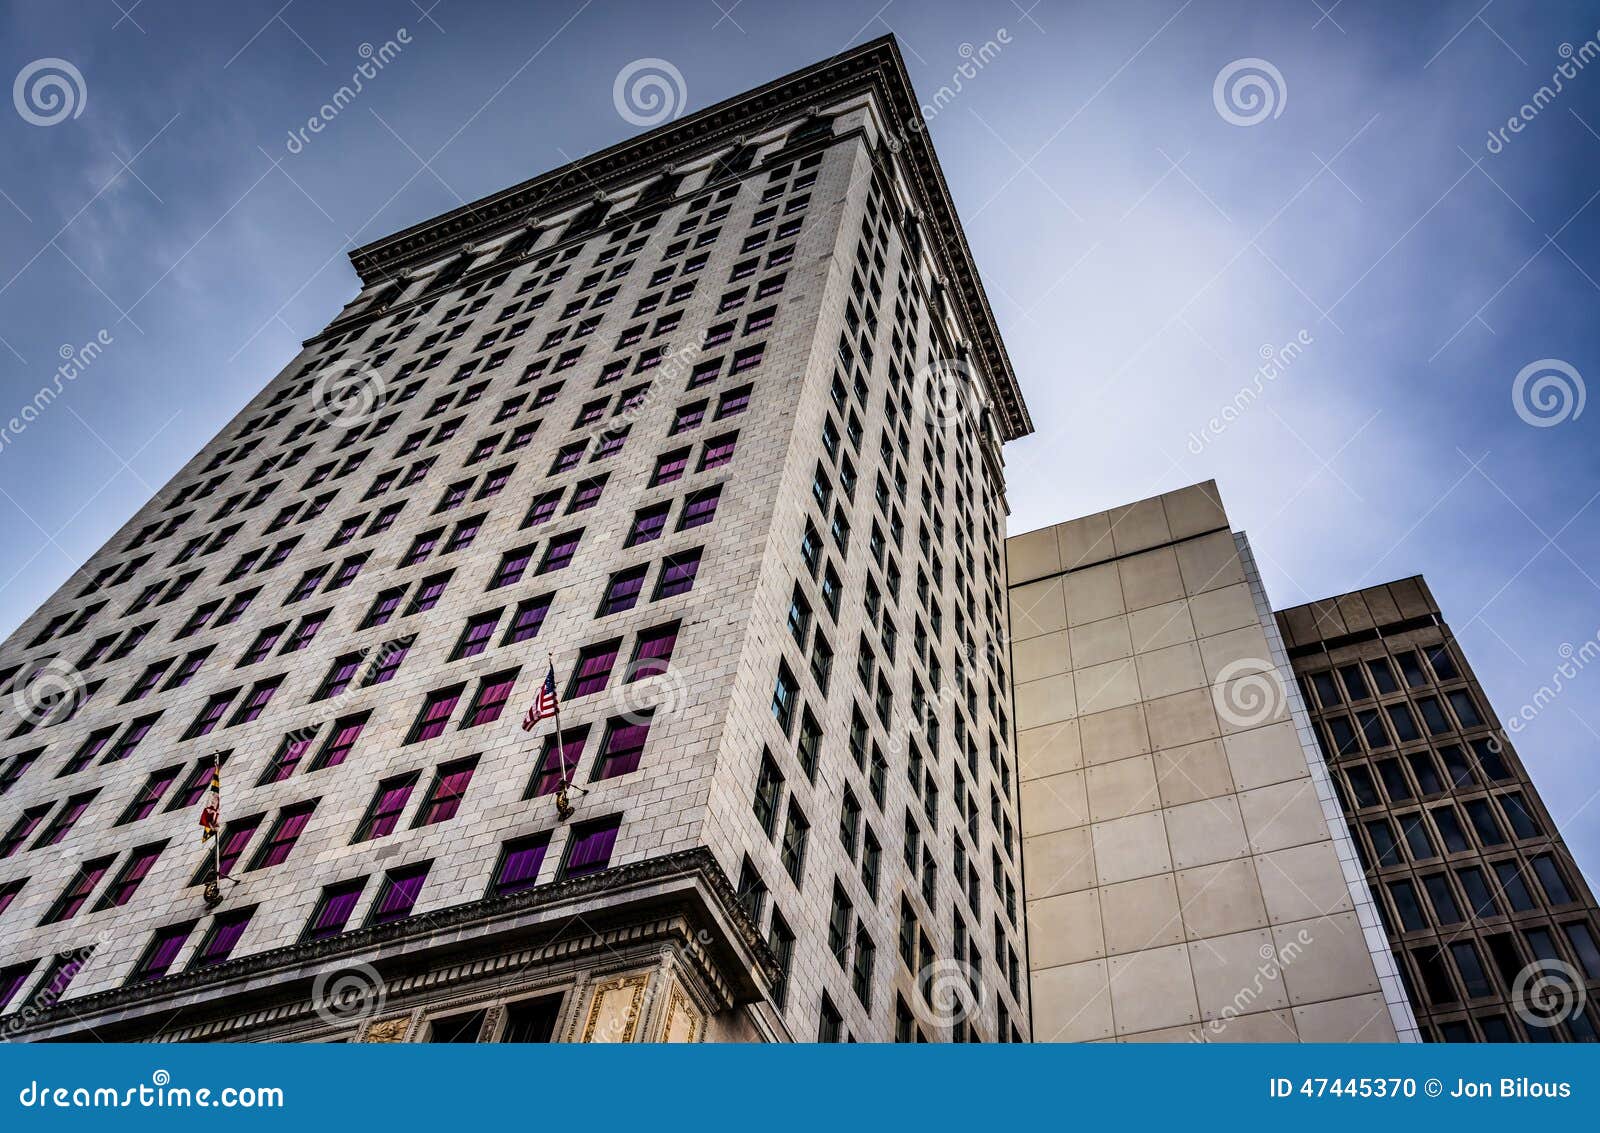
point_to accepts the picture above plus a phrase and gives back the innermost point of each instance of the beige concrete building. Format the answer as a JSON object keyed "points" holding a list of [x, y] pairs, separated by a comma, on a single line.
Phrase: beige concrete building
{"points": [[1187, 872]]}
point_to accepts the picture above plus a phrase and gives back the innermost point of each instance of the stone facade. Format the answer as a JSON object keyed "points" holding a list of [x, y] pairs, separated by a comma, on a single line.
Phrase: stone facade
{"points": [[1184, 881], [837, 654]]}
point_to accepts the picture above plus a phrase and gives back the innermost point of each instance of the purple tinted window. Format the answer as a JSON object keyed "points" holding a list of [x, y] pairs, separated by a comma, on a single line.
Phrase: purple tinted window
{"points": [[558, 553], [677, 576], [333, 912], [428, 594], [339, 677], [653, 652], [131, 736], [689, 417], [593, 669], [647, 525], [224, 935], [529, 618], [210, 714], [386, 809], [491, 700], [586, 495], [383, 609], [589, 851], [260, 697], [463, 535], [195, 786], [717, 452], [519, 864], [435, 714], [475, 638], [670, 467], [11, 981], [542, 509], [235, 839], [149, 795], [622, 748], [163, 951], [609, 443], [511, 568], [699, 508], [344, 736], [554, 764], [281, 839], [399, 895], [387, 662], [83, 883], [128, 880], [445, 798], [622, 592], [568, 457]]}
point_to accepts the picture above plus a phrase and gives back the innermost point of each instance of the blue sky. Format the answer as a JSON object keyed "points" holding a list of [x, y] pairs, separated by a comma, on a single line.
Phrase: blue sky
{"points": [[1144, 242]]}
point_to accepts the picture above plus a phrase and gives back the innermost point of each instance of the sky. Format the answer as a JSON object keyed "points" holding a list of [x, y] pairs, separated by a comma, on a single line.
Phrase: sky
{"points": [[1162, 197]]}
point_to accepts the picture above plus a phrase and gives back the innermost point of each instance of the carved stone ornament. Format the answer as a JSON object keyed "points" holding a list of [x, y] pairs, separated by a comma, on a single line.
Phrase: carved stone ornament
{"points": [[614, 1010], [388, 1030], [683, 1024]]}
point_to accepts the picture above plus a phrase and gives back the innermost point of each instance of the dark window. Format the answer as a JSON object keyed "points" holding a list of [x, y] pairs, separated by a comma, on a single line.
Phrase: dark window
{"points": [[398, 894], [519, 864], [622, 746], [333, 909], [589, 848], [446, 792], [388, 803]]}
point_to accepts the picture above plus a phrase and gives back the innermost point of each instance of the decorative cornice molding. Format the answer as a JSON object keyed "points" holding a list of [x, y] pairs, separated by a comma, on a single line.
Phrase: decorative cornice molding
{"points": [[697, 864]]}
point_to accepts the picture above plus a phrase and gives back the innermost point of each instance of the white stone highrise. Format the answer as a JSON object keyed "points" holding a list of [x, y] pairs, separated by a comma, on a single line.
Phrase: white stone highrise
{"points": [[713, 418]]}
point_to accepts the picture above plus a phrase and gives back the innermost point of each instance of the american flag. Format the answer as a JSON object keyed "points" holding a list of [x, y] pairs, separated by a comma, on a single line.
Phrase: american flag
{"points": [[545, 705]]}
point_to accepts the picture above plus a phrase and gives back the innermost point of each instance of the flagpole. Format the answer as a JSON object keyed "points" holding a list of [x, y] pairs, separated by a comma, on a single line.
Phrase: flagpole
{"points": [[561, 748], [213, 890], [216, 778], [563, 805]]}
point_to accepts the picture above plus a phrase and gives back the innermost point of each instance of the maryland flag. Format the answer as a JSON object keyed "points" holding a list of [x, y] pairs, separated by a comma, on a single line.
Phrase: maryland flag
{"points": [[212, 814]]}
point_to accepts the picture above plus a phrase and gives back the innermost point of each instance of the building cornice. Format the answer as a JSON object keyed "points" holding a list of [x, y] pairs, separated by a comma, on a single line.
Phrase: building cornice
{"points": [[457, 924], [876, 66]]}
